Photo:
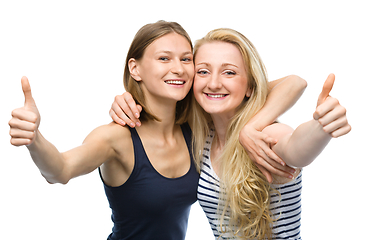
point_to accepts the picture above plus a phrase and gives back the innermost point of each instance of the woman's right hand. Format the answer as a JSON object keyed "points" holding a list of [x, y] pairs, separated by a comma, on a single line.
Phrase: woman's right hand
{"points": [[25, 120], [124, 110]]}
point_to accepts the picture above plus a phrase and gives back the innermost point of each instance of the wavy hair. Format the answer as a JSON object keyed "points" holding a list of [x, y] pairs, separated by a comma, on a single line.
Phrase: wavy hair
{"points": [[244, 188], [143, 38]]}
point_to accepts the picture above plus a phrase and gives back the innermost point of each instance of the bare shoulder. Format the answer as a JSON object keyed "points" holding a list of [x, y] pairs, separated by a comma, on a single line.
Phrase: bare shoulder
{"points": [[109, 131], [278, 130], [116, 136], [118, 169]]}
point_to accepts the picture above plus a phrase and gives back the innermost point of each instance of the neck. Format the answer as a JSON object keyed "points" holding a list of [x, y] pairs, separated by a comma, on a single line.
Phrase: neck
{"points": [[165, 111], [220, 124]]}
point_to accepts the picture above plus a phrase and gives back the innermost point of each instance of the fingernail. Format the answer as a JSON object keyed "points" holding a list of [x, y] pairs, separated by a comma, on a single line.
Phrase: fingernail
{"points": [[138, 124], [122, 123], [132, 124], [291, 177], [137, 115]]}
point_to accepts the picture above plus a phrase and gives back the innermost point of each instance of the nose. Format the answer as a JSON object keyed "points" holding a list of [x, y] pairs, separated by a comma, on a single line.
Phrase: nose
{"points": [[215, 82], [177, 67]]}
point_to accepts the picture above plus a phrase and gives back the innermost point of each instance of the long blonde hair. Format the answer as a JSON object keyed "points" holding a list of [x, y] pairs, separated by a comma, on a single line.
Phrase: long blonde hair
{"points": [[244, 188]]}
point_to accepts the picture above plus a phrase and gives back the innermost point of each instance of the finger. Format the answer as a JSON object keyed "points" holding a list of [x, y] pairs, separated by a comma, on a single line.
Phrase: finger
{"points": [[22, 125], [18, 133], [24, 115], [329, 105], [140, 108], [26, 87], [132, 104], [117, 109], [271, 141], [328, 85], [267, 154], [116, 119], [123, 110], [341, 131], [336, 124], [265, 172], [20, 142], [277, 169], [335, 113], [270, 153]]}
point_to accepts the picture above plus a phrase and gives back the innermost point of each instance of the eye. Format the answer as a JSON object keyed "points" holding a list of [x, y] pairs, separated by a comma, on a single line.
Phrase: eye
{"points": [[187, 59], [230, 73], [163, 58], [202, 72]]}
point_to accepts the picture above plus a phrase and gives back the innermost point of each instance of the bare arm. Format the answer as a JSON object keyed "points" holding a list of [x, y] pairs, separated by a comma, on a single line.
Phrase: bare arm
{"points": [[256, 142], [301, 147], [276, 104], [56, 166]]}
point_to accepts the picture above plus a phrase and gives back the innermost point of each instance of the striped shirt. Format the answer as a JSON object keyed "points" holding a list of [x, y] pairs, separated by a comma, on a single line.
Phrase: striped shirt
{"points": [[287, 211]]}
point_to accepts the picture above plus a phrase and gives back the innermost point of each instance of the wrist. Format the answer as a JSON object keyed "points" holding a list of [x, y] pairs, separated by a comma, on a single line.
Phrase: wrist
{"points": [[35, 141], [257, 124]]}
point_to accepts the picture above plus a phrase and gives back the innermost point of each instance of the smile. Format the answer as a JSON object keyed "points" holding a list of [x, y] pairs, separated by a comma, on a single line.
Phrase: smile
{"points": [[215, 95], [175, 82]]}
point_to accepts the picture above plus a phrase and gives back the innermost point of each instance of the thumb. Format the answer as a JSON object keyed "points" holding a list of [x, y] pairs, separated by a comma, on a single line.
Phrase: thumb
{"points": [[26, 87], [328, 85]]}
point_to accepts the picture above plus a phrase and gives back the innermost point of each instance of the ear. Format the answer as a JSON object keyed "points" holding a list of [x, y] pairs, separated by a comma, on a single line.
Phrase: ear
{"points": [[133, 69], [249, 92]]}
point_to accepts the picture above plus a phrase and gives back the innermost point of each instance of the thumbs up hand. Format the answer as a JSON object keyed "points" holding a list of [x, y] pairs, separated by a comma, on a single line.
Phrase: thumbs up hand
{"points": [[329, 113], [25, 120]]}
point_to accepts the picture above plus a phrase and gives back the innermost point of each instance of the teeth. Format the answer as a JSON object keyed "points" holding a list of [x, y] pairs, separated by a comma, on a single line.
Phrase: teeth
{"points": [[216, 95], [174, 82]]}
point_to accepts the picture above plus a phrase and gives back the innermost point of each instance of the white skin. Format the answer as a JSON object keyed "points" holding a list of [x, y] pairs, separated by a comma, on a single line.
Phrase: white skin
{"points": [[219, 88], [165, 72], [125, 111]]}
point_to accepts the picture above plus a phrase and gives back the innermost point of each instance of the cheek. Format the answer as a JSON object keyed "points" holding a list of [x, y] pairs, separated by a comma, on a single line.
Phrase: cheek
{"points": [[196, 87]]}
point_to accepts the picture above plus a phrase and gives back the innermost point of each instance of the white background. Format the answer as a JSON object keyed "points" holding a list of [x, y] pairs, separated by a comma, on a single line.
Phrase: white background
{"points": [[73, 53]]}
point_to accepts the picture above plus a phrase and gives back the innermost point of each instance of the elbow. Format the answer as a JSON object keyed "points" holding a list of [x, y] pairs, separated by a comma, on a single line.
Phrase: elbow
{"points": [[296, 162], [59, 179], [299, 83], [299, 158]]}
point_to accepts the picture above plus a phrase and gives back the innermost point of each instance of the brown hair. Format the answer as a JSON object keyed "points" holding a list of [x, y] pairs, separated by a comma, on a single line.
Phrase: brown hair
{"points": [[143, 38]]}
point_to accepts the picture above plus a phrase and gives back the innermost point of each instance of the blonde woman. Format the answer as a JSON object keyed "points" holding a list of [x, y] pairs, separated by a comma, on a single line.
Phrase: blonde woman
{"points": [[234, 194], [230, 88]]}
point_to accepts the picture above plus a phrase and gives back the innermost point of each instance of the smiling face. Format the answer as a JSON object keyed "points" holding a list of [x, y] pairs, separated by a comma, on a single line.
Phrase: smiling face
{"points": [[166, 69], [220, 84]]}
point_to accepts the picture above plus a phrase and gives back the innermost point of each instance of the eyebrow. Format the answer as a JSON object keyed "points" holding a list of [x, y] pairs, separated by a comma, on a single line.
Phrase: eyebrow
{"points": [[223, 64], [170, 52]]}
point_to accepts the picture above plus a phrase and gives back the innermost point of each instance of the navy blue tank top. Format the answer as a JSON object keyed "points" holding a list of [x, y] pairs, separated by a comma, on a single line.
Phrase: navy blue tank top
{"points": [[149, 205]]}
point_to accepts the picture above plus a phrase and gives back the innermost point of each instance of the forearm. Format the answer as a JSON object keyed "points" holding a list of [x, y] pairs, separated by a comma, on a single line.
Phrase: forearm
{"points": [[47, 158], [304, 145], [276, 104]]}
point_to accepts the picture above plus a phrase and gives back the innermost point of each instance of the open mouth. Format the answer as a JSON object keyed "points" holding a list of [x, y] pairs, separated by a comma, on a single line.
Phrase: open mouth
{"points": [[216, 95], [175, 82]]}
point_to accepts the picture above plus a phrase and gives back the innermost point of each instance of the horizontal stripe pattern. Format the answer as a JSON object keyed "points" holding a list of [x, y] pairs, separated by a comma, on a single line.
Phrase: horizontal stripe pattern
{"points": [[286, 209]]}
